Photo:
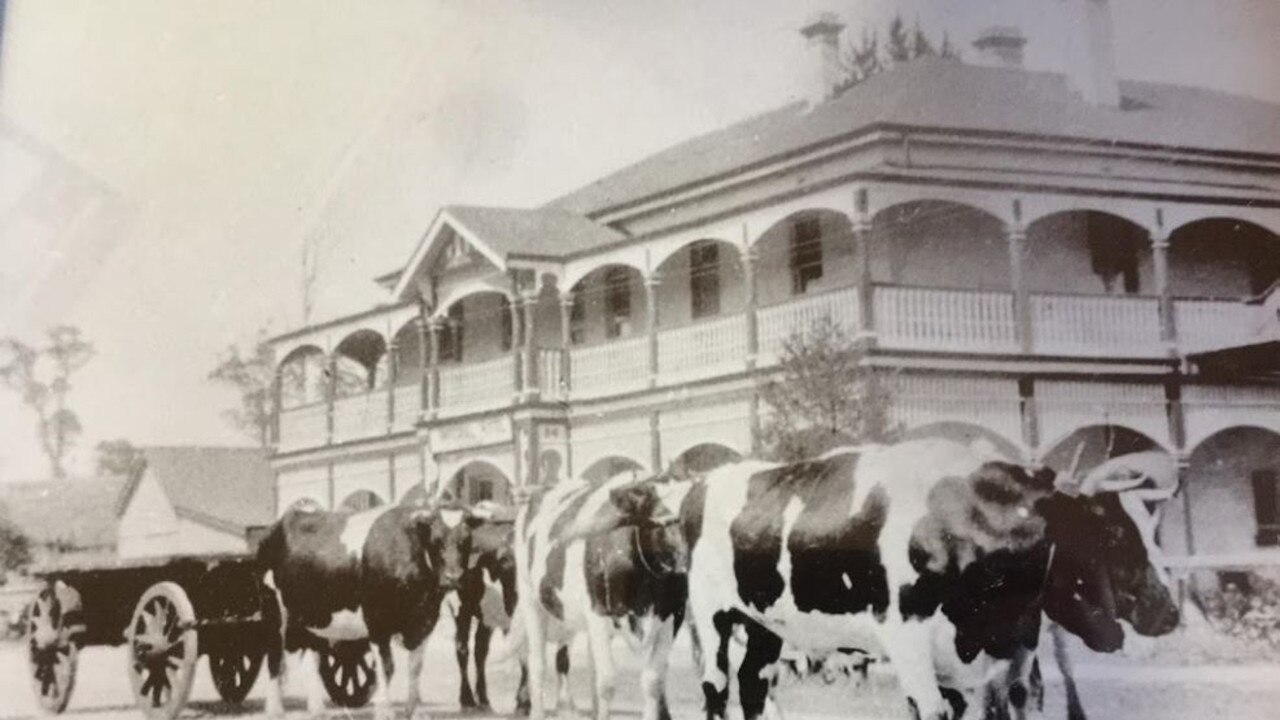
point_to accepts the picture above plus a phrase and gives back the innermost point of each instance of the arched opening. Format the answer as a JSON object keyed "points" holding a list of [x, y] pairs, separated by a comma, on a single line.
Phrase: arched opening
{"points": [[986, 442], [1222, 258], [1094, 445], [700, 280], [302, 377], [360, 500], [478, 481], [609, 467], [1233, 489], [702, 459], [475, 328], [816, 248], [1088, 252], [408, 355], [608, 304], [358, 363], [939, 244]]}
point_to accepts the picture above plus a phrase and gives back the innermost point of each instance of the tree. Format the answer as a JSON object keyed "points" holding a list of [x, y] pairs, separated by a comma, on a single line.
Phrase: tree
{"points": [[15, 546], [42, 377], [867, 58], [119, 457], [252, 373], [825, 395]]}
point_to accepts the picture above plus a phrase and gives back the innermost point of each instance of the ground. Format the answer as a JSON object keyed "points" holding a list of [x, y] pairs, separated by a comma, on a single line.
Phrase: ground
{"points": [[1111, 690]]}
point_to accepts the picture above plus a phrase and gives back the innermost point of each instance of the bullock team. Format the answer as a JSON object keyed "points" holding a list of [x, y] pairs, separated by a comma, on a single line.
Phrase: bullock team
{"points": [[924, 552]]}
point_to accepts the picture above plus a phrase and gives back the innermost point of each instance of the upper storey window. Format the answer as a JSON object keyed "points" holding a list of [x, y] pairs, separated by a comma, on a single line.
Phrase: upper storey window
{"points": [[806, 254], [617, 302], [704, 279]]}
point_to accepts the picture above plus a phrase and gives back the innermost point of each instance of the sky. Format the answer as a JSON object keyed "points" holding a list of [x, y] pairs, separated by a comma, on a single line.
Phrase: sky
{"points": [[227, 134]]}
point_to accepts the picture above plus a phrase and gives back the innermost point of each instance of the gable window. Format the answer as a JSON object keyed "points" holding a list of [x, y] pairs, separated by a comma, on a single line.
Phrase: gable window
{"points": [[704, 279], [806, 254], [1266, 506], [450, 335], [617, 301]]}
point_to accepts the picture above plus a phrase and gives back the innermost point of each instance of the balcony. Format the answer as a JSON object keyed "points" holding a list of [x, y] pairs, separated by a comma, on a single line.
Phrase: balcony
{"points": [[905, 318]]}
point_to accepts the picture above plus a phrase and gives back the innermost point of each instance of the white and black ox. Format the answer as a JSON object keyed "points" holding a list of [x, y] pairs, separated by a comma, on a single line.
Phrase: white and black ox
{"points": [[372, 575], [922, 551], [602, 560]]}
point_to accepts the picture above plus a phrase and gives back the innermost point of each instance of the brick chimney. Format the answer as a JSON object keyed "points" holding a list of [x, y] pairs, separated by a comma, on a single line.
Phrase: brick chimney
{"points": [[822, 35], [1092, 58], [1000, 46]]}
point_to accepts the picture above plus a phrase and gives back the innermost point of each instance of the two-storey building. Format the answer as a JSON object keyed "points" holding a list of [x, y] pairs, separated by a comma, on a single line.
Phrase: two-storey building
{"points": [[1043, 260]]}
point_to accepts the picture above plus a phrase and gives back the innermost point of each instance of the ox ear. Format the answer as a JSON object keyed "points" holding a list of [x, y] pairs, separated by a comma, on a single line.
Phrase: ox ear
{"points": [[635, 501]]}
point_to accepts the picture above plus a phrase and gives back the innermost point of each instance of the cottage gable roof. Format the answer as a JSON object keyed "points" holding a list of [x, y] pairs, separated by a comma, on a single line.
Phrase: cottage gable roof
{"points": [[228, 488], [951, 96], [503, 233]]}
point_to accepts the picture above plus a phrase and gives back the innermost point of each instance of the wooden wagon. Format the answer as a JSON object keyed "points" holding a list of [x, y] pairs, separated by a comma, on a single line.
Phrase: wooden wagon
{"points": [[169, 611]]}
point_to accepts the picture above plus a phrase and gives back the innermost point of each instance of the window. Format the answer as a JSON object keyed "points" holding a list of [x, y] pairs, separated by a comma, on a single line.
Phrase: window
{"points": [[450, 335], [617, 300], [806, 254], [1266, 506], [704, 279]]}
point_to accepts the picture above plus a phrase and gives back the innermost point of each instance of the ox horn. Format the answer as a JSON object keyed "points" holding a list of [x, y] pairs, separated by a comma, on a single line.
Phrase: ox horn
{"points": [[1130, 471]]}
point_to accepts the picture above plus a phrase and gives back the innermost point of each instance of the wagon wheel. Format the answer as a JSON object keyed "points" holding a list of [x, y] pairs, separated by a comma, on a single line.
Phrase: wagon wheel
{"points": [[346, 670], [162, 649], [234, 671], [52, 648]]}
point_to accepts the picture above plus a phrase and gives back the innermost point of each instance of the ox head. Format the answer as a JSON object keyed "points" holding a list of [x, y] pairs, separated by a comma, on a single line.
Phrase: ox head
{"points": [[1105, 564], [651, 509], [446, 535]]}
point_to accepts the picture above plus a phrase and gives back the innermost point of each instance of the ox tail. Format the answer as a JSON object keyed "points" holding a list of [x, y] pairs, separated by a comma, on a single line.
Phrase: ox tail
{"points": [[516, 640]]}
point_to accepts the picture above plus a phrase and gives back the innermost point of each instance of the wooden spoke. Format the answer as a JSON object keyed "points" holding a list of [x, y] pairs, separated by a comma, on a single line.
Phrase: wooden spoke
{"points": [[52, 649], [234, 672], [347, 673], [163, 651]]}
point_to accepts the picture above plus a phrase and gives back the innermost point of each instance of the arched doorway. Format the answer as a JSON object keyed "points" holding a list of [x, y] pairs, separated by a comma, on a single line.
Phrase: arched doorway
{"points": [[478, 481], [1233, 492]]}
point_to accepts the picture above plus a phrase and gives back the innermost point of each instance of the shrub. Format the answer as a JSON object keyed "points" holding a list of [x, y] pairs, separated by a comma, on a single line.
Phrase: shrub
{"points": [[1247, 610]]}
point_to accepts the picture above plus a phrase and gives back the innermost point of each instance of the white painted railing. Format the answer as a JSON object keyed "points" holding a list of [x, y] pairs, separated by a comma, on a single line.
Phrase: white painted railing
{"points": [[1212, 324], [934, 319], [550, 362], [408, 406], [360, 416], [717, 346], [777, 323], [1096, 325], [614, 367], [479, 386], [305, 426]]}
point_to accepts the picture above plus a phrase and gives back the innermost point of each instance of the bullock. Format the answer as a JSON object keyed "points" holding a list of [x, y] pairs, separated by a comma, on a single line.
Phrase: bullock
{"points": [[600, 560], [921, 551], [371, 575], [486, 597]]}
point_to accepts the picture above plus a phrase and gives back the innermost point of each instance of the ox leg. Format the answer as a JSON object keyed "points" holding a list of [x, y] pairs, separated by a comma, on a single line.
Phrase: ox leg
{"points": [[273, 610], [383, 667], [763, 649], [1075, 711], [315, 690], [483, 633], [658, 636], [536, 636], [711, 652], [909, 645], [414, 677], [522, 691], [564, 694], [462, 649], [599, 631]]}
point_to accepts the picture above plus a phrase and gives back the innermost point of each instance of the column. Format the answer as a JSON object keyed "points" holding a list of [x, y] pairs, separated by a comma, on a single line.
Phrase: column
{"points": [[330, 394], [1017, 240], [532, 382], [432, 404], [1160, 271], [422, 328], [277, 402], [566, 342], [753, 320], [655, 443], [1030, 414], [513, 306], [393, 370], [863, 237], [651, 283]]}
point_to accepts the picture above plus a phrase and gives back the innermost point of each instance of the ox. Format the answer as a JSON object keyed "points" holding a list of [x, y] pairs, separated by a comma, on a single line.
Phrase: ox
{"points": [[601, 560], [487, 599], [370, 575], [921, 551]]}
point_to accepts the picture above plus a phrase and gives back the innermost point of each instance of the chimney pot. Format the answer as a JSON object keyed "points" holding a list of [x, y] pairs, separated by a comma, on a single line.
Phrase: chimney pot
{"points": [[1093, 65], [822, 34], [1001, 46]]}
